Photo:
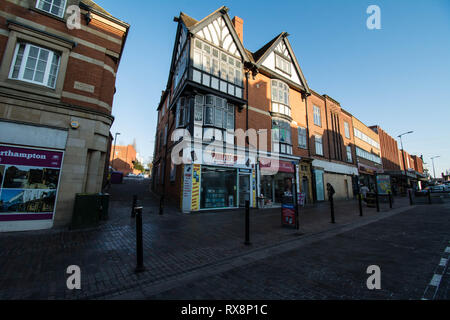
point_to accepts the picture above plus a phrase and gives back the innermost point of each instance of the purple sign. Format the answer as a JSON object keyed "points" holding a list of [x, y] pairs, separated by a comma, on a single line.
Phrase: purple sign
{"points": [[30, 157]]}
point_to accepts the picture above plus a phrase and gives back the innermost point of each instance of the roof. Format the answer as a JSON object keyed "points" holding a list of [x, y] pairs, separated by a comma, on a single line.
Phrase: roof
{"points": [[258, 54], [96, 7], [187, 20]]}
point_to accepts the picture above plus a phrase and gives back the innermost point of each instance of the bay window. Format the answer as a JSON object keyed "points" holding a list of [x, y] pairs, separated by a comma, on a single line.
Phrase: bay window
{"points": [[182, 115], [35, 65], [280, 98], [281, 137]]}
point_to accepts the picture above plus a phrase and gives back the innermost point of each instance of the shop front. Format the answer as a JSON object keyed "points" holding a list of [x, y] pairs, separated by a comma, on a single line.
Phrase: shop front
{"points": [[218, 184], [367, 176], [276, 183]]}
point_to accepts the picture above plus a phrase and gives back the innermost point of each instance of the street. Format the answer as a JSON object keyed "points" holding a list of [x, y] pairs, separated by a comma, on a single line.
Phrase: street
{"points": [[203, 256]]}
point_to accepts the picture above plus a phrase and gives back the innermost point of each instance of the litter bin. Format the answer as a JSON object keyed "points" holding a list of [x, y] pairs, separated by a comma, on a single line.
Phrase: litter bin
{"points": [[86, 212]]}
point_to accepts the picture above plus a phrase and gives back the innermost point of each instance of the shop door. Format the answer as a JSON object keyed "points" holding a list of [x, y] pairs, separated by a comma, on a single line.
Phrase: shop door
{"points": [[244, 189], [305, 186]]}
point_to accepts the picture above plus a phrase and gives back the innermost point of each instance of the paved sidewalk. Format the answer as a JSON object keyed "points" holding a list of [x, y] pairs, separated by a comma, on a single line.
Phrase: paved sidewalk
{"points": [[33, 265]]}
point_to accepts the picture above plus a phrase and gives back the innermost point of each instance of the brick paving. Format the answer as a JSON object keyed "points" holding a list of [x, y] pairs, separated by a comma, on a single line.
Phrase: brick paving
{"points": [[33, 264]]}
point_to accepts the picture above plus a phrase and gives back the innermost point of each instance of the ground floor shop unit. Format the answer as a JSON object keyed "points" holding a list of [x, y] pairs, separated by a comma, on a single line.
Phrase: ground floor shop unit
{"points": [[342, 177]]}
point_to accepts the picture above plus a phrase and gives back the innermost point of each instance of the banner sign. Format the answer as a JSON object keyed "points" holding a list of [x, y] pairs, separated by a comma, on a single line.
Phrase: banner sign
{"points": [[29, 180]]}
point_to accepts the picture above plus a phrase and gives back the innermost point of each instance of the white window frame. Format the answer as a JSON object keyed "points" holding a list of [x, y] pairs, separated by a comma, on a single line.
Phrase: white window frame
{"points": [[318, 138], [347, 130], [317, 116], [302, 138], [349, 154], [25, 58], [60, 15]]}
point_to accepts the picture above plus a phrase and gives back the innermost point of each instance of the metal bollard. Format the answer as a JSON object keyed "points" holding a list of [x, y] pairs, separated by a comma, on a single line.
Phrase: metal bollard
{"points": [[332, 209], [133, 205], [377, 199], [247, 223], [161, 205], [410, 197], [139, 246], [390, 200], [429, 196], [360, 205]]}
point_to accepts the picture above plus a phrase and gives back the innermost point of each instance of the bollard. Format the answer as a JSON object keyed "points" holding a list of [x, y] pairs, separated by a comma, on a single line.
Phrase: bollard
{"points": [[139, 246], [429, 196], [390, 200], [377, 200], [161, 205], [134, 205], [247, 223], [410, 197], [332, 210], [360, 204]]}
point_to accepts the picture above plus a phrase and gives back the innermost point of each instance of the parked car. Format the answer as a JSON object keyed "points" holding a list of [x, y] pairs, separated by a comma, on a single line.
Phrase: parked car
{"points": [[437, 188]]}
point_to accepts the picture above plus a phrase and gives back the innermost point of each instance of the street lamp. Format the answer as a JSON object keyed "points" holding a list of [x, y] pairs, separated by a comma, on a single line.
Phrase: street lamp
{"points": [[432, 160], [403, 154], [114, 149]]}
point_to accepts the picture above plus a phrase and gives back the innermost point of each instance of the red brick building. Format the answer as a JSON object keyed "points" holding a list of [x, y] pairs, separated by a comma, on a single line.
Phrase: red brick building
{"points": [[57, 85], [122, 159]]}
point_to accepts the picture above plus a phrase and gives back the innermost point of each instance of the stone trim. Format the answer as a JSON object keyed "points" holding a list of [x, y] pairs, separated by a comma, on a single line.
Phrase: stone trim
{"points": [[79, 97]]}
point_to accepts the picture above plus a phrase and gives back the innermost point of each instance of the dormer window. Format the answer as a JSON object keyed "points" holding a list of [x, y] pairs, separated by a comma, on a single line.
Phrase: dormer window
{"points": [[54, 7]]}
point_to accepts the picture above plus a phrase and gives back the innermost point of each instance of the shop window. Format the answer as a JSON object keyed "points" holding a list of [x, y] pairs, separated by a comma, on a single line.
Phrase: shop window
{"points": [[218, 188]]}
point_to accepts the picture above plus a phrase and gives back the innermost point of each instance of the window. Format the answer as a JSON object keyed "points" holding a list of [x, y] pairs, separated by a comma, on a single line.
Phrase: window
{"points": [[281, 136], [347, 130], [55, 7], [317, 116], [366, 138], [367, 155], [182, 112], [35, 65], [216, 65], [319, 145], [302, 142], [280, 98], [349, 154], [282, 64]]}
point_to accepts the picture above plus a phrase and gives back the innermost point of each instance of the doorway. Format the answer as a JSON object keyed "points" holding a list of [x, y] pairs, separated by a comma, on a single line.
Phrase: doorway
{"points": [[244, 189]]}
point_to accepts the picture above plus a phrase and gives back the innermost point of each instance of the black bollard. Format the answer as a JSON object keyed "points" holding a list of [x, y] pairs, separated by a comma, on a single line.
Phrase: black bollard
{"points": [[360, 204], [247, 223], [139, 246], [332, 209], [134, 205], [390, 200], [377, 199], [429, 196], [161, 205], [410, 197]]}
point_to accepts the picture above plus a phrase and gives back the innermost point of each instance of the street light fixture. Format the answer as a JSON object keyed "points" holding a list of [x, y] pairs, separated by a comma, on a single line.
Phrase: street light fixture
{"points": [[114, 149], [403, 154], [434, 171]]}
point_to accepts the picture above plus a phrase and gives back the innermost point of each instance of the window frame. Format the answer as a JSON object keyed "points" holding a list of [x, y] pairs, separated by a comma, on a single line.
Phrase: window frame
{"points": [[347, 130], [317, 116], [349, 154], [316, 139], [61, 15], [283, 58], [24, 62], [304, 137]]}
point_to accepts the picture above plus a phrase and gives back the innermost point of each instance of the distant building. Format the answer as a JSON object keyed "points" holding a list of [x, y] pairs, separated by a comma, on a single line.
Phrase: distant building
{"points": [[122, 158]]}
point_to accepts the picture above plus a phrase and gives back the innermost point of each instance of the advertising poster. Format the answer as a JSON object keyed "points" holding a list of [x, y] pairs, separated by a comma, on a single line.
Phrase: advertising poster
{"points": [[384, 184], [196, 173], [29, 181], [288, 215]]}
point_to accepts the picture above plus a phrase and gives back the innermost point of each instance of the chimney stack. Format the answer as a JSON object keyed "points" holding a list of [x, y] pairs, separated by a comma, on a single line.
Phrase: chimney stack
{"points": [[238, 24]]}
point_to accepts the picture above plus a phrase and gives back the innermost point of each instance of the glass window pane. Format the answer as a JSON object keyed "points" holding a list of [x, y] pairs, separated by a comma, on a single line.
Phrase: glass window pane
{"points": [[218, 117], [209, 117]]}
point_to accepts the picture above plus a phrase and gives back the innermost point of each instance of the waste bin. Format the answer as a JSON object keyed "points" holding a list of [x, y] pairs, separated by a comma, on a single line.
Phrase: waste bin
{"points": [[86, 212]]}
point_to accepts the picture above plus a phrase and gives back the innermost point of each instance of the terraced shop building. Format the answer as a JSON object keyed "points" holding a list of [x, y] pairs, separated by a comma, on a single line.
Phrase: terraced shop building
{"points": [[57, 85]]}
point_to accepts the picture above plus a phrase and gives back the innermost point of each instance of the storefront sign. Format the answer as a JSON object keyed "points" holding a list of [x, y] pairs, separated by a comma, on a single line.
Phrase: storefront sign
{"points": [[268, 165], [187, 188], [29, 180], [196, 174]]}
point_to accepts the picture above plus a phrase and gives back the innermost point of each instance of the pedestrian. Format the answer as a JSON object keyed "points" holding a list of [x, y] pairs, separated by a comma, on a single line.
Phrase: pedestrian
{"points": [[364, 190], [330, 190]]}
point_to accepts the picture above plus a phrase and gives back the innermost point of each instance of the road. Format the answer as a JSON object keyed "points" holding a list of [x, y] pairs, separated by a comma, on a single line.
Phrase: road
{"points": [[408, 248]]}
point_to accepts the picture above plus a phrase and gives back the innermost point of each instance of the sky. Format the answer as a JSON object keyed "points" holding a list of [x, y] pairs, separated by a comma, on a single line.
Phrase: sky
{"points": [[397, 77]]}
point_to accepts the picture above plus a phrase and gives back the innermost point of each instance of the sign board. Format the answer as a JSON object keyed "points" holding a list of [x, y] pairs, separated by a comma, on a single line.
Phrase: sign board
{"points": [[384, 184], [288, 215], [187, 188], [29, 181]]}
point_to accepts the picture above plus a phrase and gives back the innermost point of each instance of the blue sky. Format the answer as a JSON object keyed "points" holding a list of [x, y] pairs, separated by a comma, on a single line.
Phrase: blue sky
{"points": [[397, 77]]}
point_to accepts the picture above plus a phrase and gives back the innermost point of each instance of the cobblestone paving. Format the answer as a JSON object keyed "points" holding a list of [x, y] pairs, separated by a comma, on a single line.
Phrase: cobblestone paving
{"points": [[407, 247], [33, 265]]}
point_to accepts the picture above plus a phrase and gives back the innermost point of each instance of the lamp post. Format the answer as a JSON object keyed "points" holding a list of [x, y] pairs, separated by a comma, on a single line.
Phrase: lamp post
{"points": [[114, 149], [403, 154], [434, 170]]}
